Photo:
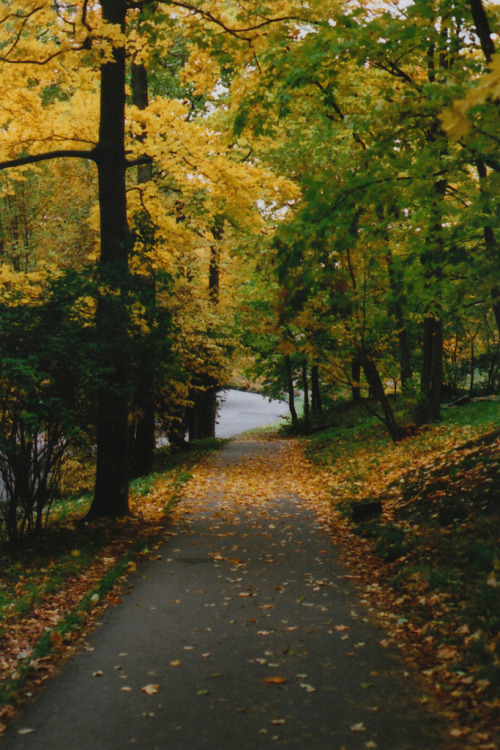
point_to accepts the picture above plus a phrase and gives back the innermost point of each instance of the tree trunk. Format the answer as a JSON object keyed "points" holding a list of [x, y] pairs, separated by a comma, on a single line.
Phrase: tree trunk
{"points": [[214, 268], [429, 409], [203, 416], [405, 367], [490, 240], [432, 371], [482, 28], [377, 388], [305, 386], [291, 393], [143, 438], [111, 484], [355, 380], [316, 404]]}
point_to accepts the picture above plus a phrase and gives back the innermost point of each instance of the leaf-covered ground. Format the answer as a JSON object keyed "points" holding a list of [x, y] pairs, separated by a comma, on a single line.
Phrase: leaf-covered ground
{"points": [[430, 563]]}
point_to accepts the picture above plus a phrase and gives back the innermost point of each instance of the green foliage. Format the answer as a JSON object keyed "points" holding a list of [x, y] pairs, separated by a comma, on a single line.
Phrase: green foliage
{"points": [[45, 398]]}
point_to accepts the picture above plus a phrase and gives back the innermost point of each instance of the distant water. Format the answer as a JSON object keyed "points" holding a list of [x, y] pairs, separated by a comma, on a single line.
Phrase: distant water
{"points": [[240, 411]]}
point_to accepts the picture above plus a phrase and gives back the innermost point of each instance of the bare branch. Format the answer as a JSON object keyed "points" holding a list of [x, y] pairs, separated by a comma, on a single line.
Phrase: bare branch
{"points": [[140, 161]]}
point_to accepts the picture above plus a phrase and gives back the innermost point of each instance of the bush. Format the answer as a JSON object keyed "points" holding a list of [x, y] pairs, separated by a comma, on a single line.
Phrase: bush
{"points": [[44, 376]]}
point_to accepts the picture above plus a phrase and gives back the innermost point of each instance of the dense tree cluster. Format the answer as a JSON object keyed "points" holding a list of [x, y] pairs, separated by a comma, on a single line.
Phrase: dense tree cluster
{"points": [[311, 185]]}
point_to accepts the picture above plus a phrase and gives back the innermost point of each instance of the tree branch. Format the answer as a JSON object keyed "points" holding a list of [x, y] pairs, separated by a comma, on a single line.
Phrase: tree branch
{"points": [[207, 15], [139, 161], [35, 158]]}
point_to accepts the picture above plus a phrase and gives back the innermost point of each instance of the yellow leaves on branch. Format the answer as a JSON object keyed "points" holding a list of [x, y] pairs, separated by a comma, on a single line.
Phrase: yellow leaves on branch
{"points": [[201, 71], [456, 120]]}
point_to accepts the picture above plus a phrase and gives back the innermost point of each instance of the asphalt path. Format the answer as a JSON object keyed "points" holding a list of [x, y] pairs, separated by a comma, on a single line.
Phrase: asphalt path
{"points": [[245, 632]]}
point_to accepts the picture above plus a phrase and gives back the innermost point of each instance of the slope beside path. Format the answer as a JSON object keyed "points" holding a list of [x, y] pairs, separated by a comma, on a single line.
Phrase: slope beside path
{"points": [[242, 632]]}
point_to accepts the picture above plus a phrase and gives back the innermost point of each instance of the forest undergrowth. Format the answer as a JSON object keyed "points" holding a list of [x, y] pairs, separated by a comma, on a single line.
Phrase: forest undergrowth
{"points": [[427, 567]]}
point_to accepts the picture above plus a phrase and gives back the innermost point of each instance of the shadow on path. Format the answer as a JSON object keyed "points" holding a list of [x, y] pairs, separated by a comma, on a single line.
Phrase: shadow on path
{"points": [[245, 634]]}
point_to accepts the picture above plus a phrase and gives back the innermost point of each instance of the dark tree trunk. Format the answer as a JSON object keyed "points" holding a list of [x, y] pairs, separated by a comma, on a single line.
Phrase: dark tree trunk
{"points": [[377, 389], [214, 268], [316, 404], [482, 28], [355, 380], [490, 240], [432, 371], [291, 393], [305, 386], [143, 438], [203, 416], [431, 381], [111, 485], [405, 367]]}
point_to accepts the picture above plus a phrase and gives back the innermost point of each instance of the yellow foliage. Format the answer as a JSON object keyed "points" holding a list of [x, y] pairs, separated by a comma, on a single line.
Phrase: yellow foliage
{"points": [[201, 71], [456, 120]]}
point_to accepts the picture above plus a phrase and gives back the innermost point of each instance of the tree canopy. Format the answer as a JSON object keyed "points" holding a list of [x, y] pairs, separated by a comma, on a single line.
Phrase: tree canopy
{"points": [[307, 188]]}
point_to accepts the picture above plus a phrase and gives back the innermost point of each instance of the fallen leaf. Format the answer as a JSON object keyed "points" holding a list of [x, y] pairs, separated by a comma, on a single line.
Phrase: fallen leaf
{"points": [[277, 680], [25, 731], [56, 639], [97, 674], [150, 689], [175, 663], [307, 688], [203, 692], [358, 727]]}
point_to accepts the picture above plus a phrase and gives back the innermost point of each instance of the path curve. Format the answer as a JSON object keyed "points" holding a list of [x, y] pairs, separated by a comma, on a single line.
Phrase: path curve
{"points": [[243, 632]]}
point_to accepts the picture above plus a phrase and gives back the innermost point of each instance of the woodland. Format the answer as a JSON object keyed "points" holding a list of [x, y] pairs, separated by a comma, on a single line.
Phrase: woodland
{"points": [[303, 193]]}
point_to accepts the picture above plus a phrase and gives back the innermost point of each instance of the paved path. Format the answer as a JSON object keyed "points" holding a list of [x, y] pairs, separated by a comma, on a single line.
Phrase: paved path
{"points": [[248, 630]]}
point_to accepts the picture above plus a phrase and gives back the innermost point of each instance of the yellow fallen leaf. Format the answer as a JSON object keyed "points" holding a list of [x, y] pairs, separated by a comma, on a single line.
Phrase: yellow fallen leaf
{"points": [[358, 727], [150, 689], [277, 680]]}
